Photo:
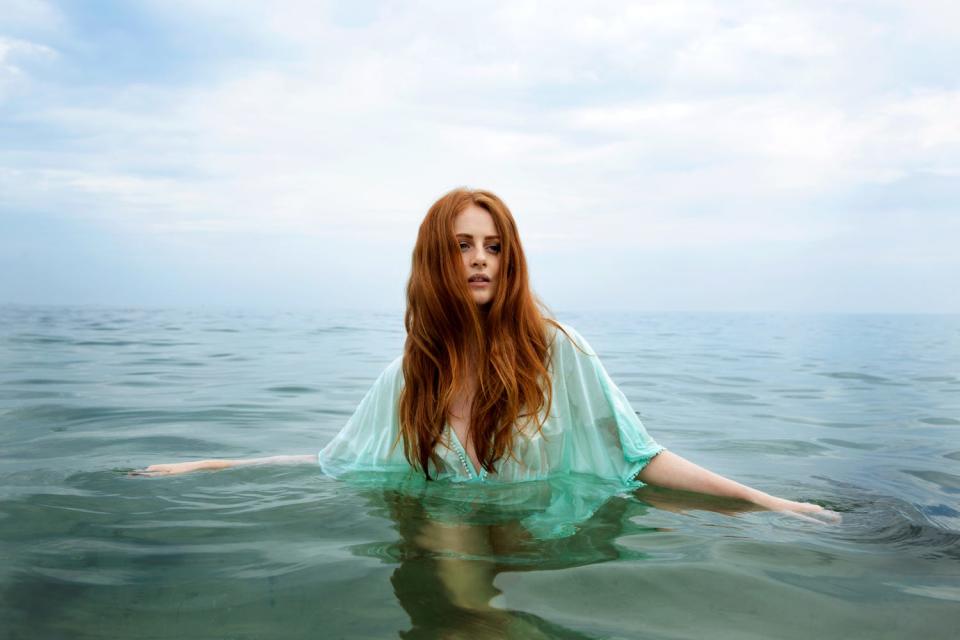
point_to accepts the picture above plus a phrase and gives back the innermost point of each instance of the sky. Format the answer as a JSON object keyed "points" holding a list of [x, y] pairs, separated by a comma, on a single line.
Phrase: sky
{"points": [[657, 156]]}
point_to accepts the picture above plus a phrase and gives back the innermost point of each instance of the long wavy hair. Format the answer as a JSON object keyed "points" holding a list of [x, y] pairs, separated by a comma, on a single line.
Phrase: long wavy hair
{"points": [[504, 343]]}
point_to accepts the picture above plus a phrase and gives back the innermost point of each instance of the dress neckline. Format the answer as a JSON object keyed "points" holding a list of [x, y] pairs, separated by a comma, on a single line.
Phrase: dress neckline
{"points": [[461, 452]]}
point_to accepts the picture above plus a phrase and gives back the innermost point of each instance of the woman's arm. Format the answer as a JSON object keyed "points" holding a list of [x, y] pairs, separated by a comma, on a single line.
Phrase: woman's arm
{"points": [[214, 465], [670, 471]]}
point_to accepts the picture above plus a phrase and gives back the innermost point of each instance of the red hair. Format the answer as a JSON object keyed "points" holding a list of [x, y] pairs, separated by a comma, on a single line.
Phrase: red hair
{"points": [[505, 343]]}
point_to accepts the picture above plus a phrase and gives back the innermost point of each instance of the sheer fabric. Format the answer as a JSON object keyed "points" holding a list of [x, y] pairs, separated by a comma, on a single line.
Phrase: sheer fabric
{"points": [[591, 430]]}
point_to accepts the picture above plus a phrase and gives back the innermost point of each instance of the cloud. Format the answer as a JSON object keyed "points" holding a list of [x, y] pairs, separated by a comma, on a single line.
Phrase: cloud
{"points": [[14, 55], [34, 16], [696, 127]]}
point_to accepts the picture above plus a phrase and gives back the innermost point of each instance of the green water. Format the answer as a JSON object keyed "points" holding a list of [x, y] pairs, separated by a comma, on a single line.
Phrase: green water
{"points": [[860, 413]]}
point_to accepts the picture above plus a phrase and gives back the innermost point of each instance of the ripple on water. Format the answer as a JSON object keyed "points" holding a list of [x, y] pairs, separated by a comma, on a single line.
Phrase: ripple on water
{"points": [[814, 421], [730, 398], [846, 444], [860, 377], [65, 414], [941, 592], [945, 422], [880, 521], [793, 448], [339, 329], [26, 338], [130, 417], [165, 361], [292, 390], [947, 482], [46, 381], [940, 511]]}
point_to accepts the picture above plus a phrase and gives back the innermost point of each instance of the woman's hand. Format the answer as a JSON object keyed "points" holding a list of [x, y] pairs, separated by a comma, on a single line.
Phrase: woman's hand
{"points": [[670, 471], [177, 468], [212, 465], [803, 510]]}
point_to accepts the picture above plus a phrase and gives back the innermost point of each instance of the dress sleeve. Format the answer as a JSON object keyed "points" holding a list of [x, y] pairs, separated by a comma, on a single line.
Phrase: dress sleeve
{"points": [[602, 434], [370, 439]]}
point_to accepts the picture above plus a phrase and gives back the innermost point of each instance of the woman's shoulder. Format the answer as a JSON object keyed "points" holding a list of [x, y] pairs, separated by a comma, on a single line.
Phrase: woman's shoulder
{"points": [[392, 374], [564, 337], [395, 367]]}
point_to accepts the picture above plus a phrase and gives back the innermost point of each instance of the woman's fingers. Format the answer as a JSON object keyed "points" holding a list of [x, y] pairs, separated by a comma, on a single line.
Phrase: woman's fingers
{"points": [[152, 471], [155, 470], [811, 513], [802, 510], [801, 516], [828, 516]]}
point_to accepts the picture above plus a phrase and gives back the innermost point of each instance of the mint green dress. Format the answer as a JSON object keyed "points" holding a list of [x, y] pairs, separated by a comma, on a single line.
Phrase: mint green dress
{"points": [[591, 431]]}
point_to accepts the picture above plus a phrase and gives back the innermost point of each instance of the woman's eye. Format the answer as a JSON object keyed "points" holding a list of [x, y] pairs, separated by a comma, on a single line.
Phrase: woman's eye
{"points": [[464, 245], [494, 248]]}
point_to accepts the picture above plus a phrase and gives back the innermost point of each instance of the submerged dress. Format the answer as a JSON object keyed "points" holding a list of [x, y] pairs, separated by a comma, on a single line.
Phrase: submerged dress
{"points": [[591, 430]]}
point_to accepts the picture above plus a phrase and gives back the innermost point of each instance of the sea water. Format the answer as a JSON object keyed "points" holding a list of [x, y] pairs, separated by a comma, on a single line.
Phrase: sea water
{"points": [[860, 413]]}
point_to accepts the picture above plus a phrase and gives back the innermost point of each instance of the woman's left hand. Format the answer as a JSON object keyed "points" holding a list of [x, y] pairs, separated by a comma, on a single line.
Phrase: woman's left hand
{"points": [[803, 510]]}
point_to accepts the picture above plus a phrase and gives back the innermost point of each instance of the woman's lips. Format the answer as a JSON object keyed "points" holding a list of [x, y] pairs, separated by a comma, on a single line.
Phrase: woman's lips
{"points": [[479, 284]]}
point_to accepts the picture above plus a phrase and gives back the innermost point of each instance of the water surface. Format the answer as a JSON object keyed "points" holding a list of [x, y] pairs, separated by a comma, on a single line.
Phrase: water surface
{"points": [[858, 412]]}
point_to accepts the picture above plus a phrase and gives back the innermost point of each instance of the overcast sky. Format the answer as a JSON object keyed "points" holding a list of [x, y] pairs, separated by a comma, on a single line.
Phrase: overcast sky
{"points": [[667, 155]]}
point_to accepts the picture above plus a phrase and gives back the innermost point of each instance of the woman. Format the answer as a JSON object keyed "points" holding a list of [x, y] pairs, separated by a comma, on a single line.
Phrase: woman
{"points": [[488, 389]]}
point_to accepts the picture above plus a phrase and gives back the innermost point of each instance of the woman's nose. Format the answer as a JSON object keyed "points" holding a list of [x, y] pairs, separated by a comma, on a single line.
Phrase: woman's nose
{"points": [[478, 257]]}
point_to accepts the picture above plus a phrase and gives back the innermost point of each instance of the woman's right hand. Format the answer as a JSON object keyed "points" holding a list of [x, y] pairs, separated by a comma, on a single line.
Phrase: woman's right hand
{"points": [[213, 465], [175, 468]]}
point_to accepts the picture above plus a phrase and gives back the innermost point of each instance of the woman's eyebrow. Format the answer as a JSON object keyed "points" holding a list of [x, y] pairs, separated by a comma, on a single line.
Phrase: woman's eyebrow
{"points": [[467, 235]]}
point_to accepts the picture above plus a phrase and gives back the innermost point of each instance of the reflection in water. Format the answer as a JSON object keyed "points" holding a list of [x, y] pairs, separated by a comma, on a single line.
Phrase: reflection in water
{"points": [[449, 559], [101, 555]]}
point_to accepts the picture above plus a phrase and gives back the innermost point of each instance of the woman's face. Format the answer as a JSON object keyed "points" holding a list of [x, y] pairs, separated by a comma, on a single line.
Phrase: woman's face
{"points": [[480, 250]]}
